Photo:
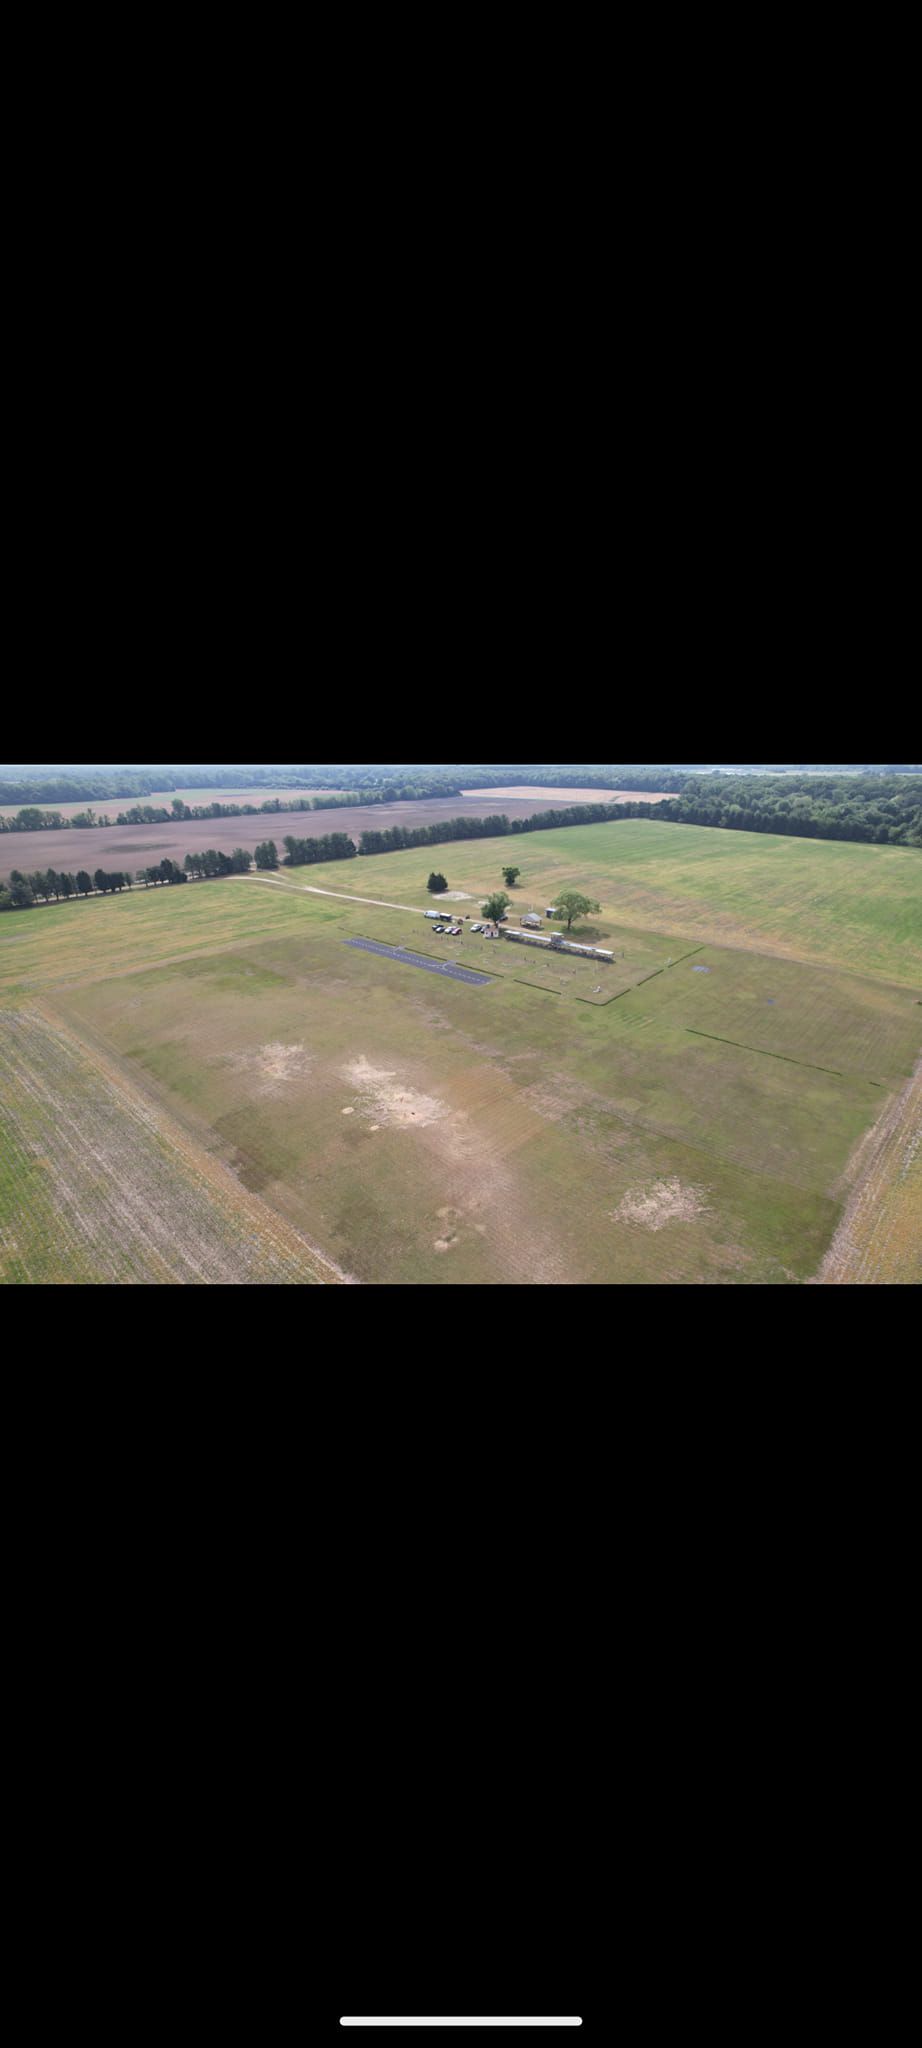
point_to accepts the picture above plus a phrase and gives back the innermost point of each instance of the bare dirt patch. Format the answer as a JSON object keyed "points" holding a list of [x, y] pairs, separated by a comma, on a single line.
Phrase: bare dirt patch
{"points": [[271, 1068], [664, 1201], [390, 1100]]}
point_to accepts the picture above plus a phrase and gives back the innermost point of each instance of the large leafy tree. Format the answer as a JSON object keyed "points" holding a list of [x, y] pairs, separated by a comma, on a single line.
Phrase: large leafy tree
{"points": [[436, 884], [571, 904], [496, 907], [511, 876]]}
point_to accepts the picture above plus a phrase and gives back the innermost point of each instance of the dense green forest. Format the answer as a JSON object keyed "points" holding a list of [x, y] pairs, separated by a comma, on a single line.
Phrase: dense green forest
{"points": [[883, 808]]}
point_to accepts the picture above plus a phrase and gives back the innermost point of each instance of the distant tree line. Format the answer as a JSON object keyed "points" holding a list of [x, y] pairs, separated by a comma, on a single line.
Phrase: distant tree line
{"points": [[363, 784], [33, 820], [885, 809], [44, 786]]}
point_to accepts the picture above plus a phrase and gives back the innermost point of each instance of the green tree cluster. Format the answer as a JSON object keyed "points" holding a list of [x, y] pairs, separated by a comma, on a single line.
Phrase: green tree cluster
{"points": [[571, 904]]}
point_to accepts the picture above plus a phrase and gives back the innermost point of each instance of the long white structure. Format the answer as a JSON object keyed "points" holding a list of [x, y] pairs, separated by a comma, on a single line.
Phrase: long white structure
{"points": [[557, 944]]}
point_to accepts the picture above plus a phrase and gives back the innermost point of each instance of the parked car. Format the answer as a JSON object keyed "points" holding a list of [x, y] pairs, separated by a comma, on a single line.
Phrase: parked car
{"points": [[438, 927]]}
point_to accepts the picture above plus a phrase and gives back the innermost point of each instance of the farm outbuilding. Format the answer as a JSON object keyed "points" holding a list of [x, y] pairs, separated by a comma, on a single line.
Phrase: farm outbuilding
{"points": [[531, 918]]}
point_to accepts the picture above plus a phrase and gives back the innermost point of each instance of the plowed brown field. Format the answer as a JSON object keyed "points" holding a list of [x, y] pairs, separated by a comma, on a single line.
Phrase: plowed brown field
{"points": [[135, 846]]}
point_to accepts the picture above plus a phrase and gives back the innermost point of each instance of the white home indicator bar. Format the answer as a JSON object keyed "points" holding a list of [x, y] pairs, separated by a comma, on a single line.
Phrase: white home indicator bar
{"points": [[460, 2023]]}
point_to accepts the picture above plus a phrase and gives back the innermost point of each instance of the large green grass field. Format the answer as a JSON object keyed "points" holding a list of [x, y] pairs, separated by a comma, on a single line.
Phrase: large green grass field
{"points": [[687, 1113], [827, 901]]}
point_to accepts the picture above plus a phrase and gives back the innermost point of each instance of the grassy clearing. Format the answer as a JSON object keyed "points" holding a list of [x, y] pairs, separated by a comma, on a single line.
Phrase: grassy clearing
{"points": [[421, 1129], [821, 900], [85, 939]]}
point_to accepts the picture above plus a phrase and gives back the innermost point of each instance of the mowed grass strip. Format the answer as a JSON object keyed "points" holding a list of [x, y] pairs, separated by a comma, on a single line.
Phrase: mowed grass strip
{"points": [[830, 901], [98, 1186]]}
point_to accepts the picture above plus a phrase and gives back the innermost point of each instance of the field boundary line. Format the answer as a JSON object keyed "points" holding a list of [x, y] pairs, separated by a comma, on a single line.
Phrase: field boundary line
{"points": [[838, 1073]]}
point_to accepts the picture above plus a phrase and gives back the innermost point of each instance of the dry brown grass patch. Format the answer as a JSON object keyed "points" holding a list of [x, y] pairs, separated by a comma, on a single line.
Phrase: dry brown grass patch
{"points": [[664, 1201]]}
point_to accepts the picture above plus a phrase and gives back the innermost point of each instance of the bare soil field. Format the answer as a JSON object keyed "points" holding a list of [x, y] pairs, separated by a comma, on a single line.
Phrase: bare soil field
{"points": [[552, 797], [879, 1240], [134, 846]]}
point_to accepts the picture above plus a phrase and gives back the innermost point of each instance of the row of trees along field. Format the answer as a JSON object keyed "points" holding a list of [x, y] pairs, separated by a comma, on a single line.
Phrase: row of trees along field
{"points": [[90, 785], [32, 819], [302, 853], [26, 890]]}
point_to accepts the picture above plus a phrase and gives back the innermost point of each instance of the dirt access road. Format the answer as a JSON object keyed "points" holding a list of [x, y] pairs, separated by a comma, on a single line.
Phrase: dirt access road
{"points": [[306, 889]]}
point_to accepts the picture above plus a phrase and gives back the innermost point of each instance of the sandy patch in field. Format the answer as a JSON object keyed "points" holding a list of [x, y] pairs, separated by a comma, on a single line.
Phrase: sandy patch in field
{"points": [[271, 1067], [387, 1099], [665, 1201], [455, 896]]}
